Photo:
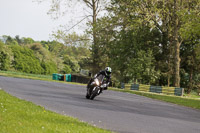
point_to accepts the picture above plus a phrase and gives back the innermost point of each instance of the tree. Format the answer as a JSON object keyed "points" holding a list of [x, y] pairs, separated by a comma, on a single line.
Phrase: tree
{"points": [[72, 63], [4, 57], [11, 41], [67, 69], [17, 38], [73, 39], [167, 16], [95, 7], [27, 40], [49, 67], [190, 52], [25, 60], [142, 68], [40, 52], [124, 38]]}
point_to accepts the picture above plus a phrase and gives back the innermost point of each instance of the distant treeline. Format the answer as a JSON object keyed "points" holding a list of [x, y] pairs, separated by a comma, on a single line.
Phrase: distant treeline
{"points": [[40, 57]]}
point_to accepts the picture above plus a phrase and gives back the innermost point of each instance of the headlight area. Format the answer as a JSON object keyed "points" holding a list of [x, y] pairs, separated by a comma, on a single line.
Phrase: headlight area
{"points": [[96, 81]]}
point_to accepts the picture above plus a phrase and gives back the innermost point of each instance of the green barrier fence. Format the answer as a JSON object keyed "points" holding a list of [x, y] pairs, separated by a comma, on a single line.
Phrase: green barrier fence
{"points": [[55, 76], [68, 77], [60, 77], [135, 87], [178, 91], [156, 89], [153, 89], [71, 78]]}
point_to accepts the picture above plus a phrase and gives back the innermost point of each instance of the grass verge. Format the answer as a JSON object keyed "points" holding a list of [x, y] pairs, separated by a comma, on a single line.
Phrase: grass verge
{"points": [[25, 75], [19, 116], [188, 102]]}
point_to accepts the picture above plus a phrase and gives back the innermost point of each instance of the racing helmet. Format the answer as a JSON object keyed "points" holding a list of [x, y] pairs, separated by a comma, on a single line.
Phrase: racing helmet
{"points": [[108, 71]]}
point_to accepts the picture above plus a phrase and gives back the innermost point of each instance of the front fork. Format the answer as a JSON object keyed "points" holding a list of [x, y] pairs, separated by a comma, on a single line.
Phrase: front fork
{"points": [[89, 90], [91, 86]]}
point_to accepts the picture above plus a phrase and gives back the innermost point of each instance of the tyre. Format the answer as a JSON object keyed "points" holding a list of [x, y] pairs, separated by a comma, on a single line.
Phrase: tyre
{"points": [[87, 96], [94, 93]]}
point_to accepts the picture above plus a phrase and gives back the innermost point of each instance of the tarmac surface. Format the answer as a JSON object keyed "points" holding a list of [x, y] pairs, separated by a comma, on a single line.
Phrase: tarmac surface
{"points": [[116, 111]]}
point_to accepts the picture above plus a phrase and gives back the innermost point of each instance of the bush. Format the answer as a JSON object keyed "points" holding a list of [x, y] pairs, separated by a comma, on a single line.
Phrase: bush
{"points": [[67, 69], [25, 60], [49, 67], [4, 57]]}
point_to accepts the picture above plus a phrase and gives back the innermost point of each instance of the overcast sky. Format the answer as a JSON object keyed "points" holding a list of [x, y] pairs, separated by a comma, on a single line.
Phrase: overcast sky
{"points": [[27, 19]]}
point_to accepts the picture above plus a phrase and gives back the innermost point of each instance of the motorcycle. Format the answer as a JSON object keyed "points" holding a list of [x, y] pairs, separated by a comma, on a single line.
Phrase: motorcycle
{"points": [[95, 87]]}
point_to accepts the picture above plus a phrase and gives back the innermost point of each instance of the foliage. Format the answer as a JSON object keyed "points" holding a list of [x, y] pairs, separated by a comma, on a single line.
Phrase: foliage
{"points": [[170, 29], [142, 67], [25, 60], [190, 53], [4, 57], [41, 57], [48, 67], [3, 61], [10, 41], [67, 69], [73, 39], [71, 63], [94, 6], [74, 51]]}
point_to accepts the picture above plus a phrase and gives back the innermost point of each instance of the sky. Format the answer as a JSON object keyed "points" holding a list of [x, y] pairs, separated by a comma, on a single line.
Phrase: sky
{"points": [[28, 19]]}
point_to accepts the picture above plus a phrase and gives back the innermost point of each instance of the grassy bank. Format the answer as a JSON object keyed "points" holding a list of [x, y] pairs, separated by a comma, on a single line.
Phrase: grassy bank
{"points": [[19, 116], [25, 75], [184, 101]]}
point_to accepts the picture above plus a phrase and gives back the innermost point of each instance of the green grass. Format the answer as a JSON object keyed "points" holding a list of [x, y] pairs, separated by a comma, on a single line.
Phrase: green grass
{"points": [[184, 101], [193, 94], [19, 116], [25, 75]]}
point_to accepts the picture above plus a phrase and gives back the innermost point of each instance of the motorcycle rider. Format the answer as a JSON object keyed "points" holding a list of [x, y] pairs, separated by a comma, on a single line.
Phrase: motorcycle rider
{"points": [[106, 81]]}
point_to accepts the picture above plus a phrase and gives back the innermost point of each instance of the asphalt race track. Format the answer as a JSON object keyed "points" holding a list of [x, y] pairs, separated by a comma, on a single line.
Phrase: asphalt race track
{"points": [[116, 111]]}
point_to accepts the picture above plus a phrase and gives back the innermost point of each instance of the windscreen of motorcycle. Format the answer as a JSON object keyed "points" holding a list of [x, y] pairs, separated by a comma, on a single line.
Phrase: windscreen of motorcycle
{"points": [[100, 78]]}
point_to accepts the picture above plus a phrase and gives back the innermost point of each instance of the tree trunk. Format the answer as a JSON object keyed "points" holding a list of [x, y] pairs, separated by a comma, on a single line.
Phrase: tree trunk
{"points": [[177, 65], [95, 52], [190, 85], [94, 6], [176, 47]]}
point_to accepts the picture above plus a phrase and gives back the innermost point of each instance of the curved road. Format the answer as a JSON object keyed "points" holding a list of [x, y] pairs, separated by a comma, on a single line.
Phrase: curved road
{"points": [[116, 111]]}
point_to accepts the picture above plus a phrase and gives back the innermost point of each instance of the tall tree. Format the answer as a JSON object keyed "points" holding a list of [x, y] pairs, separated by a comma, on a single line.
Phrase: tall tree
{"points": [[167, 16], [128, 38], [94, 6]]}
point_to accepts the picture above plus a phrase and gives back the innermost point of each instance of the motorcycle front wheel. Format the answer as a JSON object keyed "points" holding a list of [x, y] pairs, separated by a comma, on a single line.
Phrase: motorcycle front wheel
{"points": [[87, 96], [94, 93]]}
